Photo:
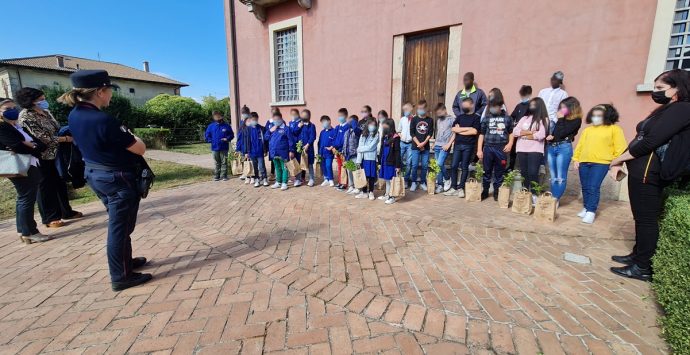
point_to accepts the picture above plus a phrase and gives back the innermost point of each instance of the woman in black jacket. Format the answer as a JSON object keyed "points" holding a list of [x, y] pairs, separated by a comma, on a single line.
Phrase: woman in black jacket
{"points": [[14, 138], [645, 184]]}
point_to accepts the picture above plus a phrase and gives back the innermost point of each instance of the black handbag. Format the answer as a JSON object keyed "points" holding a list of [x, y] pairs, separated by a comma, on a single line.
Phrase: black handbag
{"points": [[145, 177]]}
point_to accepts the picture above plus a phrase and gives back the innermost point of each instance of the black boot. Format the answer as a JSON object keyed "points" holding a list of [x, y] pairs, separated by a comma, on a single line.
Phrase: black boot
{"points": [[633, 272], [138, 262], [495, 194], [135, 279], [485, 194], [626, 259]]}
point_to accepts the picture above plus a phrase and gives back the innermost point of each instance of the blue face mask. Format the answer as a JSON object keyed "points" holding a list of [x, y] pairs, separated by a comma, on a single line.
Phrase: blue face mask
{"points": [[341, 119], [421, 112], [372, 128], [326, 125], [407, 113], [11, 114], [43, 105], [277, 122]]}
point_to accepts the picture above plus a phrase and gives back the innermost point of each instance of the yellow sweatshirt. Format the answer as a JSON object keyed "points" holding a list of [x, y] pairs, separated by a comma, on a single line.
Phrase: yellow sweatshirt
{"points": [[600, 144]]}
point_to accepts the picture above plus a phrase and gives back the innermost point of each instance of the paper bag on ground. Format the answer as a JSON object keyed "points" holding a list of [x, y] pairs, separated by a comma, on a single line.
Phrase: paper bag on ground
{"points": [[473, 190], [317, 170], [380, 184], [504, 197], [545, 209], [522, 202], [343, 176], [304, 161], [430, 184], [360, 178], [248, 169], [236, 166], [397, 186], [293, 167]]}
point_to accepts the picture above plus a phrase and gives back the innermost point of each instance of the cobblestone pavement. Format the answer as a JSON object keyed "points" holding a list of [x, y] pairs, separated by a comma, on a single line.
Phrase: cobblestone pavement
{"points": [[310, 270]]}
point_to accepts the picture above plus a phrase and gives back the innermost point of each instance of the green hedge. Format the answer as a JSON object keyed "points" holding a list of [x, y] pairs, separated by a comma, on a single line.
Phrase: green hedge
{"points": [[156, 138], [672, 271]]}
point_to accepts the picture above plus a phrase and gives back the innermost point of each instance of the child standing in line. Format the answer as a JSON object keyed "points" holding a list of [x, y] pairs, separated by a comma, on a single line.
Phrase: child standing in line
{"points": [[280, 149], [295, 126], [366, 157], [254, 145], [442, 146], [421, 129], [243, 145], [338, 145], [600, 143], [326, 138], [530, 132], [495, 142], [406, 140], [350, 143], [306, 133], [465, 131], [390, 157], [219, 134]]}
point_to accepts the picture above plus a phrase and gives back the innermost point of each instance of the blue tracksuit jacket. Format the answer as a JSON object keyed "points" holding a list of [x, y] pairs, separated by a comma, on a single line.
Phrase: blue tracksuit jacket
{"points": [[215, 132], [326, 139], [252, 141], [340, 136], [307, 135], [280, 142]]}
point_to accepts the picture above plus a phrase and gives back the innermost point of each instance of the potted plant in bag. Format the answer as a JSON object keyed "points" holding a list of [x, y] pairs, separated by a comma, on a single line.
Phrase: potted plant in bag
{"points": [[434, 170], [504, 190], [473, 186]]}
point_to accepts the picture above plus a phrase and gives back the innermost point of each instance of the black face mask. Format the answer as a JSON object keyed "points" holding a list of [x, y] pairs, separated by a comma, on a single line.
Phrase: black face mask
{"points": [[660, 97], [466, 110]]}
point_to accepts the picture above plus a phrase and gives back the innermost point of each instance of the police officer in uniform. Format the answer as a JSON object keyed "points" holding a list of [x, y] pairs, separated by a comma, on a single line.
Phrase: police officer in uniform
{"points": [[111, 153]]}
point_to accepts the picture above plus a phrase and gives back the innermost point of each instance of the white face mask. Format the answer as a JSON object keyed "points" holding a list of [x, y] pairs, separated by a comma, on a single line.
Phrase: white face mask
{"points": [[597, 120]]}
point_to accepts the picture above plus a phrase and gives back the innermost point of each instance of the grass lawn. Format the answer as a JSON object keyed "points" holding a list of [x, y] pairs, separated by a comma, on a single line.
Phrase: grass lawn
{"points": [[167, 175], [196, 148]]}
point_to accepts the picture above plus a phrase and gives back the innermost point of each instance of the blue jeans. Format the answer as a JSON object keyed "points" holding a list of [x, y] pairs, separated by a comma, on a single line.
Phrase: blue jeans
{"points": [[415, 157], [441, 156], [494, 162], [405, 149], [259, 168], [559, 160], [462, 156], [327, 168], [27, 190], [117, 191], [591, 177]]}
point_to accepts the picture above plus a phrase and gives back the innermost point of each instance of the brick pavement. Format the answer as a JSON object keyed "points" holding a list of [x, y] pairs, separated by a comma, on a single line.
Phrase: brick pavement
{"points": [[239, 269]]}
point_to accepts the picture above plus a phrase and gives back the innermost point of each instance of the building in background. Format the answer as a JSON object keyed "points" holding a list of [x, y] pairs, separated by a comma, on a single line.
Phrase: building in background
{"points": [[347, 53], [54, 70]]}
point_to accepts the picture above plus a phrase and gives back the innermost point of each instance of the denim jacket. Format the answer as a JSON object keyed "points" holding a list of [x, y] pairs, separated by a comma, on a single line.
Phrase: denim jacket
{"points": [[367, 148]]}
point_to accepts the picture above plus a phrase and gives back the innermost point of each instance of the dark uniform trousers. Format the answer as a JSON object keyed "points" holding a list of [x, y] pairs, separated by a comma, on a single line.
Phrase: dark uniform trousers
{"points": [[117, 190]]}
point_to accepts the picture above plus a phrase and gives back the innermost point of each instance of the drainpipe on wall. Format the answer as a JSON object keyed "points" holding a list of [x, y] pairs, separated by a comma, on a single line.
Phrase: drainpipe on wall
{"points": [[235, 75]]}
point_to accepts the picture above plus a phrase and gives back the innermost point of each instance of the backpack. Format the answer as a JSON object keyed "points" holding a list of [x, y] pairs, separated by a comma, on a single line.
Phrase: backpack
{"points": [[675, 156]]}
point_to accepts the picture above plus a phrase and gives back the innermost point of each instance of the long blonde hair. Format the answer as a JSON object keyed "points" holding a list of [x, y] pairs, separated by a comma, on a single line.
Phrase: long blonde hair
{"points": [[76, 95]]}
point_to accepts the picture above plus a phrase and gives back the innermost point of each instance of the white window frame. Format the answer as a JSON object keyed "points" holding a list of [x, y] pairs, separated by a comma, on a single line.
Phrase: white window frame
{"points": [[295, 22], [658, 47]]}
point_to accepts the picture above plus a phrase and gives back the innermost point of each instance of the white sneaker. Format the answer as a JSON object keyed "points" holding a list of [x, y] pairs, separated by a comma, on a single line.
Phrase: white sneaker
{"points": [[534, 200], [276, 185], [242, 177], [265, 183], [582, 213], [383, 197], [361, 195], [588, 218], [423, 186], [413, 188], [247, 181], [450, 192], [446, 185], [256, 183], [439, 189], [390, 201], [461, 193], [284, 187], [310, 183], [297, 183], [356, 191], [371, 196], [331, 183], [324, 183], [349, 190]]}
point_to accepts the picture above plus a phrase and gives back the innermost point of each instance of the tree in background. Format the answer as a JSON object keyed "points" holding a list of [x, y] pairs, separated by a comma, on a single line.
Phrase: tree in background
{"points": [[211, 103], [120, 107]]}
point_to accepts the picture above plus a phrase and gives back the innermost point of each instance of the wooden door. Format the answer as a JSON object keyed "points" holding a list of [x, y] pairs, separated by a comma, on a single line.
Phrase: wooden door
{"points": [[424, 68]]}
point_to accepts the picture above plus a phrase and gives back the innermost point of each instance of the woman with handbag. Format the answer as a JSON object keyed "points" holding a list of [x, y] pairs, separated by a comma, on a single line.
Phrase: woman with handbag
{"points": [[15, 140], [53, 201], [645, 178]]}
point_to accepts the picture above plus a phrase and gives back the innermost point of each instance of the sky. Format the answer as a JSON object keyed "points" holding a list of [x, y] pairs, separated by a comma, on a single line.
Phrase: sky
{"points": [[182, 39]]}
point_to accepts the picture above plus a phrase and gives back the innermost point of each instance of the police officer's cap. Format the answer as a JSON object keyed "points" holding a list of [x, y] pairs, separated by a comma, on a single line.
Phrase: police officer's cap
{"points": [[89, 79]]}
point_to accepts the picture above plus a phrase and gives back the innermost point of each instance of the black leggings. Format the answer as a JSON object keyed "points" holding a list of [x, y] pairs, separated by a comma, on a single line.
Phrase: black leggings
{"points": [[646, 201], [529, 167], [53, 201], [370, 185]]}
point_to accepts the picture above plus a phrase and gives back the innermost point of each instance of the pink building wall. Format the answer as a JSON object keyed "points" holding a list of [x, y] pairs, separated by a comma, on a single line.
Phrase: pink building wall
{"points": [[600, 45]]}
